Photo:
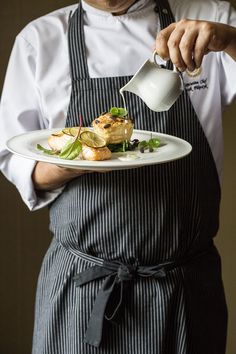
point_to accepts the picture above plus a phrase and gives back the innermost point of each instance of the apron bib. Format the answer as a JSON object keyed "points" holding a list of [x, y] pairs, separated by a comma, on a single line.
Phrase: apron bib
{"points": [[148, 215]]}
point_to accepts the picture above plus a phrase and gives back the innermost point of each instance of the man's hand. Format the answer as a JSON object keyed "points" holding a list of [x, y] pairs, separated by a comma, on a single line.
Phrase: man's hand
{"points": [[187, 41], [48, 176]]}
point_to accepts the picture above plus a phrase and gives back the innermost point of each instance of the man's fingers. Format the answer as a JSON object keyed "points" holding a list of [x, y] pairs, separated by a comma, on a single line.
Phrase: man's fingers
{"points": [[186, 42], [174, 49], [201, 49], [177, 43], [186, 46], [162, 40]]}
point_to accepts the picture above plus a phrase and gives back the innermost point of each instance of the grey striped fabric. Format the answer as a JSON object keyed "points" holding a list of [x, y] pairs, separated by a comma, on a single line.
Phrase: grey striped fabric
{"points": [[150, 215]]}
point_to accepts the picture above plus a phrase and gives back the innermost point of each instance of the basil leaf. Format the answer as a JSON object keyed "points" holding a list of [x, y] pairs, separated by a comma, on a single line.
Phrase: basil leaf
{"points": [[154, 142], [47, 151], [71, 150]]}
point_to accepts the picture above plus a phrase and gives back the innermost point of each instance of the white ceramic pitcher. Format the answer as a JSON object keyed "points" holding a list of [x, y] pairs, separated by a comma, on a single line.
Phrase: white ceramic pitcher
{"points": [[158, 87]]}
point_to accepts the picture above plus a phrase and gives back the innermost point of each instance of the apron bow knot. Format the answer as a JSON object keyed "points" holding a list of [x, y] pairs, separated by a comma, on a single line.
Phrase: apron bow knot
{"points": [[117, 276], [126, 272]]}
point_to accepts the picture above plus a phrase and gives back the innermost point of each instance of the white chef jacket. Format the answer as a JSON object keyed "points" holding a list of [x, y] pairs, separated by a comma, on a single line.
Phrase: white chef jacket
{"points": [[37, 86]]}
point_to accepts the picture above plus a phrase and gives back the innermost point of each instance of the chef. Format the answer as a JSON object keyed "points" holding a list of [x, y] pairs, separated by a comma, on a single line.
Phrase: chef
{"points": [[132, 266]]}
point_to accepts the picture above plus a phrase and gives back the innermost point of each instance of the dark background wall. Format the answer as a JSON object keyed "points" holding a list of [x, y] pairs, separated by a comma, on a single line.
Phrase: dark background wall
{"points": [[24, 236]]}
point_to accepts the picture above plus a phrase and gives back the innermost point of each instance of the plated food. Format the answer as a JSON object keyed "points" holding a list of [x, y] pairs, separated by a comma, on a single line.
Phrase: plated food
{"points": [[93, 148], [112, 132]]}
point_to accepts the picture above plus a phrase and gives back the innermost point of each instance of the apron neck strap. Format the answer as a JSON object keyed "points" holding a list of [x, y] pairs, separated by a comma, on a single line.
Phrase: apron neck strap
{"points": [[166, 17], [77, 47], [165, 14]]}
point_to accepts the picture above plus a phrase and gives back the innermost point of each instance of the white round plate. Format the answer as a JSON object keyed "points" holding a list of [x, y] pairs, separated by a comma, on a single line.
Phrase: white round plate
{"points": [[171, 148]]}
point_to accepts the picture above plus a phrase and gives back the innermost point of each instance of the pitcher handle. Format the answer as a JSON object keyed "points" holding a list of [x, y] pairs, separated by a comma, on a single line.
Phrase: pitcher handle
{"points": [[154, 60], [155, 55]]}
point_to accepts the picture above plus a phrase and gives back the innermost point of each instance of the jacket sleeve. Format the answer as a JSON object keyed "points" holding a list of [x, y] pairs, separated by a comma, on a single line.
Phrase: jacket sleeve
{"points": [[20, 112], [227, 66]]}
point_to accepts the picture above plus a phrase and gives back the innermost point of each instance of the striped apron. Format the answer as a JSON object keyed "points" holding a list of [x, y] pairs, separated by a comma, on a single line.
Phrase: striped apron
{"points": [[132, 268]]}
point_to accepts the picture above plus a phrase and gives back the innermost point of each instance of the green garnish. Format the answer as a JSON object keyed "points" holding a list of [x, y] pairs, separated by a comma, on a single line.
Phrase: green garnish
{"points": [[118, 112], [154, 143], [143, 144], [116, 147], [125, 146], [71, 149], [151, 144], [47, 151], [69, 152]]}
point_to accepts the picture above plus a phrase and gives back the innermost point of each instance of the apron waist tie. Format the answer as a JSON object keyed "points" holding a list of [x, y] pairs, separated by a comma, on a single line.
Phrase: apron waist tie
{"points": [[117, 276]]}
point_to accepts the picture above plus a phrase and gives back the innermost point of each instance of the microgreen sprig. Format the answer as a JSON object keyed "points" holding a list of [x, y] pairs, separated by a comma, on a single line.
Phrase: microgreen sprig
{"points": [[151, 144], [118, 112]]}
